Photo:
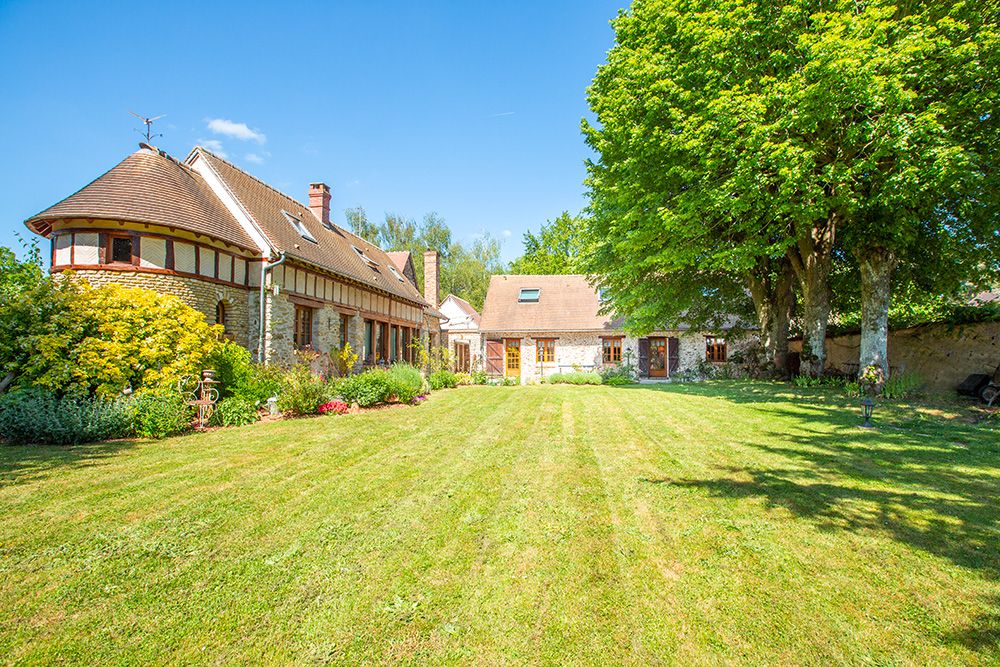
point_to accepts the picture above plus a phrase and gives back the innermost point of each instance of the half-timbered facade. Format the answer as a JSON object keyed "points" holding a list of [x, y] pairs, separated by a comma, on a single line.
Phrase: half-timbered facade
{"points": [[277, 274]]}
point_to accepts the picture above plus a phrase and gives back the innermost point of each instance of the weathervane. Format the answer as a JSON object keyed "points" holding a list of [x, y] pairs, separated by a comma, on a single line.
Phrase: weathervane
{"points": [[148, 122]]}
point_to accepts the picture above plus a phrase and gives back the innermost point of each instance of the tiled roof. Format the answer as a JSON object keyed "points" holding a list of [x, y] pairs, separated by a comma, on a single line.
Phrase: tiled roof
{"points": [[565, 303], [399, 258], [333, 247], [149, 187]]}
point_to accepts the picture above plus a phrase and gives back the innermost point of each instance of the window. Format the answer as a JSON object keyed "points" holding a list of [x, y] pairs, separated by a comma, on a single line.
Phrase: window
{"points": [[220, 314], [612, 350], [529, 295], [545, 350], [715, 349], [383, 341], [299, 226], [345, 323], [393, 343], [303, 334], [121, 250], [372, 264], [369, 345], [394, 272], [408, 343]]}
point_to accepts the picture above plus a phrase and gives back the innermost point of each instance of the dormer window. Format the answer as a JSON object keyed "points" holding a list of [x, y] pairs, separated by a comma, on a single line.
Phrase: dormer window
{"points": [[372, 264], [394, 272], [296, 222], [529, 295]]}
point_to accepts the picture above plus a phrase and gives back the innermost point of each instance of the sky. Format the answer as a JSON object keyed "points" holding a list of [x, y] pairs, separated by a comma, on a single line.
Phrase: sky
{"points": [[468, 109]]}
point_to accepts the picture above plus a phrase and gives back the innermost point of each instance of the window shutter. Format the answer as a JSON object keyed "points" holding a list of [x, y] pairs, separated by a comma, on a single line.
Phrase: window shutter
{"points": [[674, 355], [644, 357]]}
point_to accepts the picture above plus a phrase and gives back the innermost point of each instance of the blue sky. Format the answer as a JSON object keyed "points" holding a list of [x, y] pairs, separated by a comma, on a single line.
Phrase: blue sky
{"points": [[469, 109]]}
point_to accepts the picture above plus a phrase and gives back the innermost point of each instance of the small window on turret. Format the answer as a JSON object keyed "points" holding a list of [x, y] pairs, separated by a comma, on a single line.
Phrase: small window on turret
{"points": [[121, 249]]}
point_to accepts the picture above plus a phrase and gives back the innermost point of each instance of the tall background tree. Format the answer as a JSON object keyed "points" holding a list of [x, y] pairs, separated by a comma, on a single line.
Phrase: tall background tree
{"points": [[465, 271], [764, 140], [554, 250]]}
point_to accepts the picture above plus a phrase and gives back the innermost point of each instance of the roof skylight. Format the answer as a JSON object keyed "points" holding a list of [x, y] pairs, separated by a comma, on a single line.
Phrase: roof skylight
{"points": [[529, 295], [393, 271], [299, 227]]}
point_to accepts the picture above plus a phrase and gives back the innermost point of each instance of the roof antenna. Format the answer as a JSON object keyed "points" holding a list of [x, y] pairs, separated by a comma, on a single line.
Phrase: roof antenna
{"points": [[148, 122]]}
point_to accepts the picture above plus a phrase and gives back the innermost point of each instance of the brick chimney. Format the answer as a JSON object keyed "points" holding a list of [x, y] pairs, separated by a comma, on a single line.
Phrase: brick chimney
{"points": [[432, 279], [319, 202]]}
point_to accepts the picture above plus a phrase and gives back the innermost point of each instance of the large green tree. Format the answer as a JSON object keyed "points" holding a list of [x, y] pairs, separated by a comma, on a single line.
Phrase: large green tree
{"points": [[731, 132]]}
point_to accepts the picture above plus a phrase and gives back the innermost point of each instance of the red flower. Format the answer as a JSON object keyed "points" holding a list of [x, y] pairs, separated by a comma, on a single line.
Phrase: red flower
{"points": [[336, 407]]}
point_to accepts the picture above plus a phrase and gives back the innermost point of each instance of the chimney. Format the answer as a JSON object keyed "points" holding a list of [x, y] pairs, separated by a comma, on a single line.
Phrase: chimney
{"points": [[432, 279], [319, 202]]}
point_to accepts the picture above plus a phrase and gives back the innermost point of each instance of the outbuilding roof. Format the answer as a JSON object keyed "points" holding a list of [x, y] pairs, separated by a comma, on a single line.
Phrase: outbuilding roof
{"points": [[565, 303]]}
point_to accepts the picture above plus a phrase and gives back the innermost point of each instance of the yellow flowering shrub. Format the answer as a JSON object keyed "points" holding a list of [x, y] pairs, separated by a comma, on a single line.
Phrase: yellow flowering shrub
{"points": [[110, 338]]}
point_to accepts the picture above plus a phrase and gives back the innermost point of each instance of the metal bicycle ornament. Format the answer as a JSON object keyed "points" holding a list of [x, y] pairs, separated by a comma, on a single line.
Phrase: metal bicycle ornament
{"points": [[200, 393]]}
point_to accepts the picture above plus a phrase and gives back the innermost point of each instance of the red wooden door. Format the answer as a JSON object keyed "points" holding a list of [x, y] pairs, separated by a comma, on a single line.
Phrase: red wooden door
{"points": [[494, 357]]}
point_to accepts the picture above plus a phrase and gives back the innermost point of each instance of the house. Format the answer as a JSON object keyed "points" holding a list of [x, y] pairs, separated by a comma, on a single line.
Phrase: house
{"points": [[279, 275], [534, 326], [461, 333]]}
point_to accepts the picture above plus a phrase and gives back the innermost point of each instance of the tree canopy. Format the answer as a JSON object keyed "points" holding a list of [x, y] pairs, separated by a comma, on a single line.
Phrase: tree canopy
{"points": [[737, 138]]}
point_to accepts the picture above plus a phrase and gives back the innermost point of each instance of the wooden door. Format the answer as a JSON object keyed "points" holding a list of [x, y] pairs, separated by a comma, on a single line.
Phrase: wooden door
{"points": [[658, 357], [512, 350], [494, 357], [674, 355], [462, 357]]}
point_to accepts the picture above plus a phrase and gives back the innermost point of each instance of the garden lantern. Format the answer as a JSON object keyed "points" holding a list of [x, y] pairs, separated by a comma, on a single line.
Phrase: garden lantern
{"points": [[867, 407]]}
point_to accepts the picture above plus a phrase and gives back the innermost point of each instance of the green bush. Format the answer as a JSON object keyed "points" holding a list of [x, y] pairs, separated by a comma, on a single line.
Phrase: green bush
{"points": [[903, 385], [577, 377], [262, 383], [159, 414], [443, 379], [36, 415], [302, 392], [407, 382], [619, 375], [233, 368], [366, 389], [479, 377], [234, 411]]}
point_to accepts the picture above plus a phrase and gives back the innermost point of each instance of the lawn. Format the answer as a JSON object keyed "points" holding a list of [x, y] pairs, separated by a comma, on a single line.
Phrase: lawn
{"points": [[691, 524]]}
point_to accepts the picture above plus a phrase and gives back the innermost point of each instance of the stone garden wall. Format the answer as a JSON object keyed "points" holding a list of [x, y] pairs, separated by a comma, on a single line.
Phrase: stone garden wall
{"points": [[942, 354]]}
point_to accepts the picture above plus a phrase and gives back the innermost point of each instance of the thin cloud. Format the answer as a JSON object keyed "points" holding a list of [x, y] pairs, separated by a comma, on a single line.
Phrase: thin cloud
{"points": [[502, 113], [213, 145], [253, 157], [506, 233], [235, 130]]}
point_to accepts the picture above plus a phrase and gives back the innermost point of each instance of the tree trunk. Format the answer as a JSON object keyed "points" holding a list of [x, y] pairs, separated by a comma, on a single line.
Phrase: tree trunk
{"points": [[877, 266], [773, 298], [6, 381], [812, 260]]}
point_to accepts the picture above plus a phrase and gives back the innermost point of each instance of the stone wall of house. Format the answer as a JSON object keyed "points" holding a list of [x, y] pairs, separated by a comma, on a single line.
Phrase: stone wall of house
{"points": [[943, 355], [584, 351], [202, 295], [471, 338]]}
